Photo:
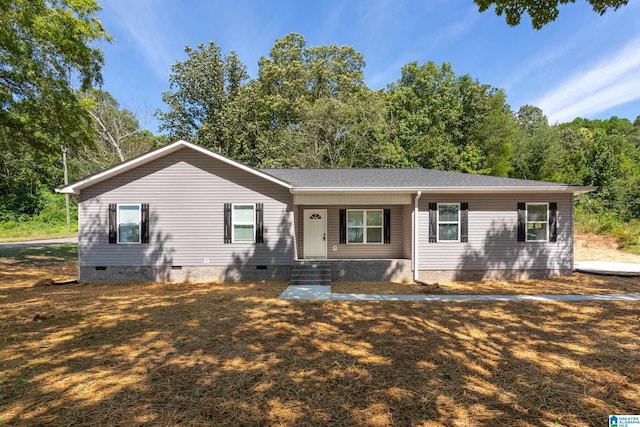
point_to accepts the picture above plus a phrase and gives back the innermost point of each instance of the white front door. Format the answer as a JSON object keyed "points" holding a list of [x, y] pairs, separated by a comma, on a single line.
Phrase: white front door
{"points": [[315, 233]]}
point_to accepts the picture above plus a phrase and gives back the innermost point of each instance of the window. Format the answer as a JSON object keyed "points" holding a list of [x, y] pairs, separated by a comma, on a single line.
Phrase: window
{"points": [[243, 223], [448, 222], [129, 219], [537, 222], [364, 226]]}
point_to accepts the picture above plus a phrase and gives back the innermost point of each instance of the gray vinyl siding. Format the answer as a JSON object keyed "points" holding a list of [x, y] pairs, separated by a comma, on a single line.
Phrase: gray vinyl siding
{"points": [[407, 215], [186, 191], [353, 251], [493, 236]]}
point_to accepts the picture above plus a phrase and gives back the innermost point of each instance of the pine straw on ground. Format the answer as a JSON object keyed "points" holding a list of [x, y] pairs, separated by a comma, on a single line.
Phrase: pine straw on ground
{"points": [[233, 354], [581, 284], [588, 247]]}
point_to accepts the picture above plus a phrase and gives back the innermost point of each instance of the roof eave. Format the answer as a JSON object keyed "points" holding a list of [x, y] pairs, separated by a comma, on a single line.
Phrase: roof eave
{"points": [[446, 190]]}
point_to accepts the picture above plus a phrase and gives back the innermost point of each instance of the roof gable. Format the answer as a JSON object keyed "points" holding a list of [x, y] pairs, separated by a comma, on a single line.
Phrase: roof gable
{"points": [[77, 186]]}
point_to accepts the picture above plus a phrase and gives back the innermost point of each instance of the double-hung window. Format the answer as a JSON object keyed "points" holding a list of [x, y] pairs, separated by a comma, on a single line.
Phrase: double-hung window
{"points": [[364, 226], [537, 222], [244, 220], [448, 222], [129, 219]]}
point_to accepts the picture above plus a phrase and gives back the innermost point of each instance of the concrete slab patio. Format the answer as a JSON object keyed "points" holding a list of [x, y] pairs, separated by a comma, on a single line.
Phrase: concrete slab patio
{"points": [[323, 293], [608, 268], [310, 292]]}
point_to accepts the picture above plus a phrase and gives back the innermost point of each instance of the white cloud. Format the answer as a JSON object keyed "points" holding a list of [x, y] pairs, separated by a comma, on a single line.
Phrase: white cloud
{"points": [[454, 28], [534, 64], [614, 81], [139, 19]]}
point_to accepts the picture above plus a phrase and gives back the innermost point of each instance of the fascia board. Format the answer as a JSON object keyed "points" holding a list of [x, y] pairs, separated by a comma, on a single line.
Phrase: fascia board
{"points": [[445, 190]]}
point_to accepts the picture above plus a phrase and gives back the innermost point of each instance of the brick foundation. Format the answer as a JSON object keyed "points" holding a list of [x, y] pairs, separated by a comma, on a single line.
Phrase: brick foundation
{"points": [[387, 270], [375, 270], [185, 274], [480, 275]]}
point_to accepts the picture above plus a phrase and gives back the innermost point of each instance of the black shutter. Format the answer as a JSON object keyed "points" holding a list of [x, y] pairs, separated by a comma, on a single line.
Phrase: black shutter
{"points": [[387, 226], [522, 222], [144, 226], [464, 222], [553, 222], [113, 223], [343, 226], [433, 222], [227, 223], [259, 224]]}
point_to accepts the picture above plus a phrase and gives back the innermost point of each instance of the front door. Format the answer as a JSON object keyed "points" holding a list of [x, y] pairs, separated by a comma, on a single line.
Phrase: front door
{"points": [[315, 233]]}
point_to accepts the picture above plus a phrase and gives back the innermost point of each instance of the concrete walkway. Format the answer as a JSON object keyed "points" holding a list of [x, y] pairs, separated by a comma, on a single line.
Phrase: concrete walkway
{"points": [[45, 242], [323, 293]]}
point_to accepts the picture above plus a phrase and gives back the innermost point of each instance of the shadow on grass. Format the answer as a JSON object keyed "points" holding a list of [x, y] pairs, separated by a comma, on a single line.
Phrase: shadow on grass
{"points": [[46, 255], [232, 354]]}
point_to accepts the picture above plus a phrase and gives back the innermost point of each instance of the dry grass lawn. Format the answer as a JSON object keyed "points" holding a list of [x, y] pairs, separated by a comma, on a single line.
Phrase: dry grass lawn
{"points": [[233, 354], [588, 247], [576, 284]]}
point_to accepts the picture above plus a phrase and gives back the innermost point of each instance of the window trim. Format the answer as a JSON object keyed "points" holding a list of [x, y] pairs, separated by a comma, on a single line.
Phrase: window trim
{"points": [[527, 222], [233, 223], [438, 222], [364, 227], [139, 206]]}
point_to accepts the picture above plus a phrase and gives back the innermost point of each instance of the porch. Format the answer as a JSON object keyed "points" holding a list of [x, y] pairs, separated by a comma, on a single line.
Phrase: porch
{"points": [[306, 272], [354, 236], [353, 232]]}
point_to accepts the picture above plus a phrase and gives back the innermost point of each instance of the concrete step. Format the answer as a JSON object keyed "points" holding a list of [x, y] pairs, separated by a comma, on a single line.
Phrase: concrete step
{"points": [[308, 282], [311, 273], [307, 267], [295, 276]]}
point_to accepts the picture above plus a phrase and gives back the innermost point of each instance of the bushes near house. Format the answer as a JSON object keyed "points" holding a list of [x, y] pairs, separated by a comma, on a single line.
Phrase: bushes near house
{"points": [[608, 223], [50, 221]]}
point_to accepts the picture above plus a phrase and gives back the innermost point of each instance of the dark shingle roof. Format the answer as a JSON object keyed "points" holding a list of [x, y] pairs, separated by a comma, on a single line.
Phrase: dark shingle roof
{"points": [[396, 178]]}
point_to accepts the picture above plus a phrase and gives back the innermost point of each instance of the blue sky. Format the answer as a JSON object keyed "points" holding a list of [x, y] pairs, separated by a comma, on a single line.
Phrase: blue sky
{"points": [[582, 64]]}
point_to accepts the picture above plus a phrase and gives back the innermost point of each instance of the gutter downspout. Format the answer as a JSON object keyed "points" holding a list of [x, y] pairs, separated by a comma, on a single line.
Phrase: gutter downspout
{"points": [[415, 236]]}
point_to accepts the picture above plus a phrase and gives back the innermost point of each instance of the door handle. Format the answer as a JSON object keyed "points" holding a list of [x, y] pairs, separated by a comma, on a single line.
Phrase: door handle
{"points": [[324, 236]]}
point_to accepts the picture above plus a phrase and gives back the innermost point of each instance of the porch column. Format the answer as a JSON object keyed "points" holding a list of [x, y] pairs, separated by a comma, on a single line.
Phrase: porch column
{"points": [[414, 246]]}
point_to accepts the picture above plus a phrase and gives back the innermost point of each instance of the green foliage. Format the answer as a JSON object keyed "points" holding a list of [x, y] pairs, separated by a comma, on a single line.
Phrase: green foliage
{"points": [[49, 221], [589, 217], [450, 122], [201, 87], [118, 136], [307, 108], [24, 175], [44, 46], [541, 12]]}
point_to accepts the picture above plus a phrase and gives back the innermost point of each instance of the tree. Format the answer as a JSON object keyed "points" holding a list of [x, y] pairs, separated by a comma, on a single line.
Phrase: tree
{"points": [[47, 46], [450, 122], [541, 12], [201, 86], [305, 102], [351, 132], [118, 136], [533, 144]]}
